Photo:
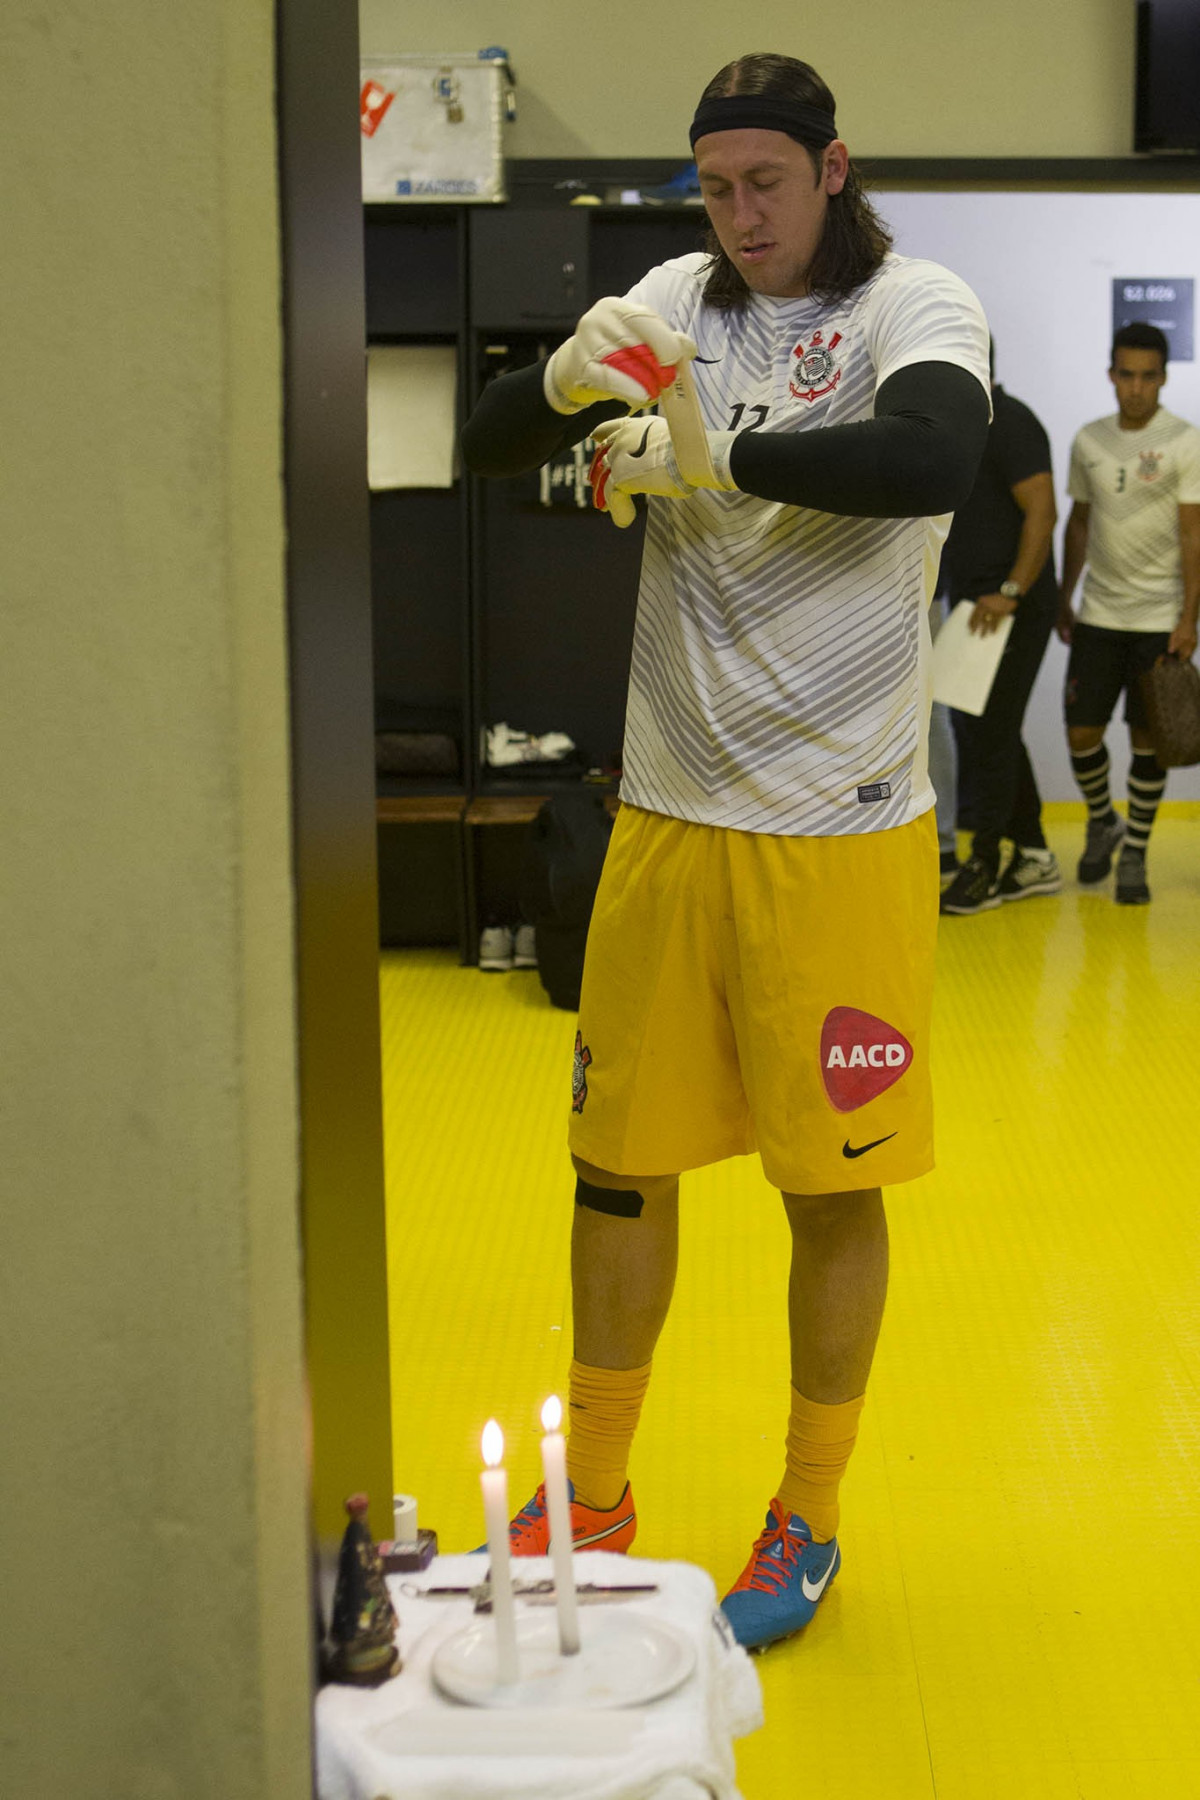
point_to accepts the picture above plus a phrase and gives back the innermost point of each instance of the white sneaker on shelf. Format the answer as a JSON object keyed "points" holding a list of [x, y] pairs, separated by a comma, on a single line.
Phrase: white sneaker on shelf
{"points": [[496, 949], [525, 948], [503, 747]]}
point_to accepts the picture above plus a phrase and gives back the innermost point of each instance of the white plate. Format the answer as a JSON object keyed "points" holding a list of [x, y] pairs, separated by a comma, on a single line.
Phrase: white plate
{"points": [[625, 1659]]}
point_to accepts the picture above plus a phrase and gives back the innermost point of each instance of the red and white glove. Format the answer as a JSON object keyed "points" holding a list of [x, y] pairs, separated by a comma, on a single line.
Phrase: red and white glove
{"points": [[636, 456], [619, 352]]}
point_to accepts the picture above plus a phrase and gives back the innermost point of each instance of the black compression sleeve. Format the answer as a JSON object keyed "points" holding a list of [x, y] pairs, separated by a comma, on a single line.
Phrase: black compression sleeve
{"points": [[915, 458], [514, 428]]}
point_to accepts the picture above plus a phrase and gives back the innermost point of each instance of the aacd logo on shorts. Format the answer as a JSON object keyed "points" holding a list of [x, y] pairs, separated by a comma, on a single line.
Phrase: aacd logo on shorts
{"points": [[861, 1056]]}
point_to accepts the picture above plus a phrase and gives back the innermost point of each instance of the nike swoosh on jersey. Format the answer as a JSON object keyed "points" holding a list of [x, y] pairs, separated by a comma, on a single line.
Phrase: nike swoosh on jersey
{"points": [[812, 1590], [863, 1148]]}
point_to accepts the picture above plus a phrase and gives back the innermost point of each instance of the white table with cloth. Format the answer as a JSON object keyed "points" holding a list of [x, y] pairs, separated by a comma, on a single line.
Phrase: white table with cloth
{"points": [[407, 1740]]}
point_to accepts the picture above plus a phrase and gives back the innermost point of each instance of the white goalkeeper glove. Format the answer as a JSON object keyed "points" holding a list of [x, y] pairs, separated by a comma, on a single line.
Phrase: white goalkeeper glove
{"points": [[619, 352], [636, 456]]}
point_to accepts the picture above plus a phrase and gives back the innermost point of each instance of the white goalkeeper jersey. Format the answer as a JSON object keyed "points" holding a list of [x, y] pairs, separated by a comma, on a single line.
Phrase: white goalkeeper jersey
{"points": [[779, 679], [1134, 482]]}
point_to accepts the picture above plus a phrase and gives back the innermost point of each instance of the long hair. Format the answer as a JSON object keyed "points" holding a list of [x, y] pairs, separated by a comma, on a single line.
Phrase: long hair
{"points": [[855, 240]]}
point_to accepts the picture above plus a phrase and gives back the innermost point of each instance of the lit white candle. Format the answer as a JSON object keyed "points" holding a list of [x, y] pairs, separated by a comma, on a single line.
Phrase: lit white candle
{"points": [[494, 1482], [558, 1504]]}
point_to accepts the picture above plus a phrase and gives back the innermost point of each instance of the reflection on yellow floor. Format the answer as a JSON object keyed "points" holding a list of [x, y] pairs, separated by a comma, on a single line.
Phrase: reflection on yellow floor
{"points": [[1018, 1616]]}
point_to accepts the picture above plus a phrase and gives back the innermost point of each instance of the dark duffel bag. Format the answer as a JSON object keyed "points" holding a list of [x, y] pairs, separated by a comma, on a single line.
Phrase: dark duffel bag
{"points": [[1171, 694], [567, 843]]}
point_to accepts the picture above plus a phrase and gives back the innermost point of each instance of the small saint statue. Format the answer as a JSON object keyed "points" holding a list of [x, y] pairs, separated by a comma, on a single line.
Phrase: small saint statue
{"points": [[364, 1622]]}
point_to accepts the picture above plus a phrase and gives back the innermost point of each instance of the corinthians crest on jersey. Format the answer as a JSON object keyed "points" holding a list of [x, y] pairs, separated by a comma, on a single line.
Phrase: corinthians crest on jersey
{"points": [[817, 368]]}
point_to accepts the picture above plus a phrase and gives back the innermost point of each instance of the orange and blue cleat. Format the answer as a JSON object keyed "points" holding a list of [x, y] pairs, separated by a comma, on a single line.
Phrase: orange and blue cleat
{"points": [[529, 1532], [779, 1589]]}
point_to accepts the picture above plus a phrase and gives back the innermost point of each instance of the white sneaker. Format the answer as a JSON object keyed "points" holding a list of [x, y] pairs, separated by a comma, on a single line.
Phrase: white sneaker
{"points": [[504, 747], [1030, 872], [525, 948], [496, 949]]}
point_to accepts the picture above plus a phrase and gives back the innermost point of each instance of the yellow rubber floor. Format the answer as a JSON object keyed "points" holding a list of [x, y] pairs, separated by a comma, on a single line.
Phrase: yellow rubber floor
{"points": [[1017, 1615]]}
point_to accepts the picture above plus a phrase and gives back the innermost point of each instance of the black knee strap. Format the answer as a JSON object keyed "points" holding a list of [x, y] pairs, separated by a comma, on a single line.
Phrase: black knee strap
{"points": [[621, 1203]]}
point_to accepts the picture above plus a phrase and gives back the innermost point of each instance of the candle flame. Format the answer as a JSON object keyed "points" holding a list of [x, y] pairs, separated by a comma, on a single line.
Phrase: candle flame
{"points": [[552, 1413], [493, 1444]]}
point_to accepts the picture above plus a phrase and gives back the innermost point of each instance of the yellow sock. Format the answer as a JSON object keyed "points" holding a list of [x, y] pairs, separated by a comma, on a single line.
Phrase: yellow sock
{"points": [[604, 1406], [819, 1442]]}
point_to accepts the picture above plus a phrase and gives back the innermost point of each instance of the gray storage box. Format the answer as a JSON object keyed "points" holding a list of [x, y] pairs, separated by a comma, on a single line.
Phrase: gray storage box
{"points": [[432, 126]]}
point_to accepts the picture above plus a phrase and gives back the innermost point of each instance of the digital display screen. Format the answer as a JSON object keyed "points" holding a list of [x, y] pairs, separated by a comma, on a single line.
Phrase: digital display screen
{"points": [[1167, 106], [1163, 300]]}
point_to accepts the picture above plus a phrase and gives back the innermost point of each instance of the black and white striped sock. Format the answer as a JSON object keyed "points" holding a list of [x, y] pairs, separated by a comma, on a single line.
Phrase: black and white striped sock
{"points": [[1090, 769], [1147, 779]]}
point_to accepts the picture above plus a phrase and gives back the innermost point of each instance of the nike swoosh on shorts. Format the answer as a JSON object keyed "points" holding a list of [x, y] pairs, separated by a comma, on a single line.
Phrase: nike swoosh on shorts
{"points": [[863, 1148]]}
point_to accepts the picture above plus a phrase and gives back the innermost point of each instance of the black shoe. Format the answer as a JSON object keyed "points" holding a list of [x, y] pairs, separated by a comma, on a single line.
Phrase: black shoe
{"points": [[1131, 878], [1103, 837], [972, 890]]}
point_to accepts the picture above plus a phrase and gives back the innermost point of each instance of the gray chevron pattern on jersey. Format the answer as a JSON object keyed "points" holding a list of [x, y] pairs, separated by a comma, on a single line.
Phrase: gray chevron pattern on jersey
{"points": [[777, 663]]}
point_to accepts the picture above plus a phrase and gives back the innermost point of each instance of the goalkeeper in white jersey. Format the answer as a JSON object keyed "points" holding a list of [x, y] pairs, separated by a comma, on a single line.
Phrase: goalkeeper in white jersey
{"points": [[759, 965]]}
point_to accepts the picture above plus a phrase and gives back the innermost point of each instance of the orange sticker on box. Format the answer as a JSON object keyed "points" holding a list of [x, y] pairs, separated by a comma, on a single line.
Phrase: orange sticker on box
{"points": [[373, 103]]}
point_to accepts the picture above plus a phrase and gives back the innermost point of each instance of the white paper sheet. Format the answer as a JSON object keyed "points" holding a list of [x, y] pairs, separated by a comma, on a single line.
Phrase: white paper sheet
{"points": [[410, 416], [965, 662]]}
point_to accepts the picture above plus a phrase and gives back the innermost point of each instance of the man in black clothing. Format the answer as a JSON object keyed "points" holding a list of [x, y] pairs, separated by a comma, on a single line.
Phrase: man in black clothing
{"points": [[998, 554]]}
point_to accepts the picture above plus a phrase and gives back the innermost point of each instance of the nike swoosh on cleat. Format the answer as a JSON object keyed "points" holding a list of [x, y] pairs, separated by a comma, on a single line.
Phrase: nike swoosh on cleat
{"points": [[598, 1537], [641, 449], [863, 1148], [812, 1590]]}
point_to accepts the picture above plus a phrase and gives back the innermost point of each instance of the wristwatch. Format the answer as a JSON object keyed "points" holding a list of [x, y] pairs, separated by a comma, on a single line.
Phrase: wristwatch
{"points": [[1011, 590]]}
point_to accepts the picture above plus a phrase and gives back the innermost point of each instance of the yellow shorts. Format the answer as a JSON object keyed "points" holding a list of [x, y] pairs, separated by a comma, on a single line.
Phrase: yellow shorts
{"points": [[744, 992]]}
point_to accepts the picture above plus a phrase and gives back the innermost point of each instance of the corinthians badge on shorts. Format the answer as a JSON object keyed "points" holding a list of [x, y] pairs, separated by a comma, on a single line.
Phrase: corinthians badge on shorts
{"points": [[817, 371], [579, 1086]]}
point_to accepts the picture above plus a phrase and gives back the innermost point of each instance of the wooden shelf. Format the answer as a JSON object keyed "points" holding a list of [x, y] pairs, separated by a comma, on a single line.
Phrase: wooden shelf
{"points": [[419, 809], [517, 809], [504, 809]]}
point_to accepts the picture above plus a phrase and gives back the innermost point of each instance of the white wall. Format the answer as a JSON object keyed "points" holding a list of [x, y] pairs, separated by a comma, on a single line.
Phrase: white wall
{"points": [[1043, 265]]}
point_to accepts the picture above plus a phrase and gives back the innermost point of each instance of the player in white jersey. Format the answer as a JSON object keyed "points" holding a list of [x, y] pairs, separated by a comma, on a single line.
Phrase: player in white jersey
{"points": [[759, 966], [1135, 524]]}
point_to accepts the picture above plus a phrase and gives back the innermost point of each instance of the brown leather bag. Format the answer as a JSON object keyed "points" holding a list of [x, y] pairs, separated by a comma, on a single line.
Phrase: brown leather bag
{"points": [[1171, 693]]}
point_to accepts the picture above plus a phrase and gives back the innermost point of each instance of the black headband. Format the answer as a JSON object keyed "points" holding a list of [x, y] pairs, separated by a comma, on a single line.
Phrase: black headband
{"points": [[764, 112]]}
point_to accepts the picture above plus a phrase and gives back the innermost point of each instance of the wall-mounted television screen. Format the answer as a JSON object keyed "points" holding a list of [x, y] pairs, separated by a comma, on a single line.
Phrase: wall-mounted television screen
{"points": [[1167, 104]]}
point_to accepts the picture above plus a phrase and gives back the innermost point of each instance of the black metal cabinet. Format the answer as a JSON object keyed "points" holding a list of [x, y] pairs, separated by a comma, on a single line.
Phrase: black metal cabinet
{"points": [[501, 601], [626, 241], [528, 269], [414, 263]]}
